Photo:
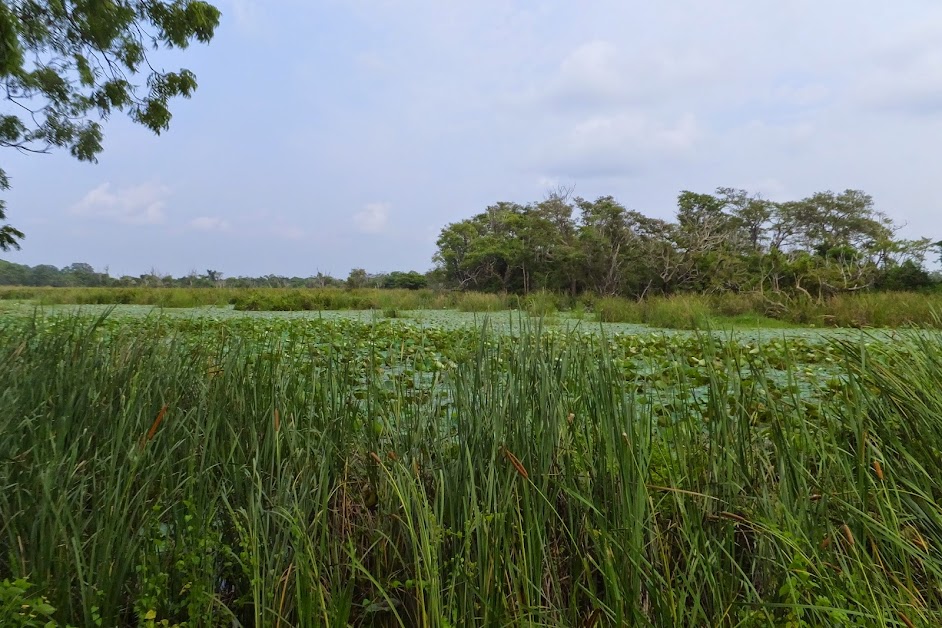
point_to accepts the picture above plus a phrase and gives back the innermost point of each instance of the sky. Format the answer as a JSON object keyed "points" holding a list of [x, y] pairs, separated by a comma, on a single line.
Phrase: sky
{"points": [[327, 135]]}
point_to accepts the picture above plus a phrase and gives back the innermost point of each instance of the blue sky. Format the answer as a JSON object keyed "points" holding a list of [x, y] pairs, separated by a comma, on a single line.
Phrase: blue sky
{"points": [[330, 134]]}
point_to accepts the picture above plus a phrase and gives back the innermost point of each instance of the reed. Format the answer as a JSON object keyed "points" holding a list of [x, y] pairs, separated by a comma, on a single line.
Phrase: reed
{"points": [[340, 473]]}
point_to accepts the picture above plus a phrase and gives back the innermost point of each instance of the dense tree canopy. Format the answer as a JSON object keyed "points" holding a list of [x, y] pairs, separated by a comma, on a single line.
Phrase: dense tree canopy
{"points": [[66, 64], [730, 240]]}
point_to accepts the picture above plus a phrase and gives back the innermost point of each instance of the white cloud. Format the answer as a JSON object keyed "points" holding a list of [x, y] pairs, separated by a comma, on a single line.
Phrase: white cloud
{"points": [[621, 144], [600, 76], [209, 223], [590, 72], [133, 205], [373, 218]]}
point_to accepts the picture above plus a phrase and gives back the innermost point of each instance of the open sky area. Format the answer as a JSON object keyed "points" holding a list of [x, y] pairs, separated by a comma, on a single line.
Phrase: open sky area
{"points": [[332, 134]]}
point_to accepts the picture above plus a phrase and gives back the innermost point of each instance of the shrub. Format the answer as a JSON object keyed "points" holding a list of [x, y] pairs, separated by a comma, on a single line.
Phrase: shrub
{"points": [[618, 310], [480, 302], [542, 303], [677, 312]]}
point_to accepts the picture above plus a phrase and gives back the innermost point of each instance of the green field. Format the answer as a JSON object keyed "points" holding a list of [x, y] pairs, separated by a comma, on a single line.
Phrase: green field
{"points": [[208, 466]]}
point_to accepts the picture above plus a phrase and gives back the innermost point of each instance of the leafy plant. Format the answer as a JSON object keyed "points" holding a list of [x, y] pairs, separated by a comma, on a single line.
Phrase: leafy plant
{"points": [[21, 609]]}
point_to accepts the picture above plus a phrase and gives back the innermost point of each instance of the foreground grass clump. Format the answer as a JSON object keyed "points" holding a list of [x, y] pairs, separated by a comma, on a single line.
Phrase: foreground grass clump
{"points": [[331, 472]]}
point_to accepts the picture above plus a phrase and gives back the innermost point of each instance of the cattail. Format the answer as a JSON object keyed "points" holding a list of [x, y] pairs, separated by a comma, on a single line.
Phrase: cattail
{"points": [[847, 534], [392, 456], [516, 463], [375, 457], [277, 420], [153, 428], [878, 469], [825, 543]]}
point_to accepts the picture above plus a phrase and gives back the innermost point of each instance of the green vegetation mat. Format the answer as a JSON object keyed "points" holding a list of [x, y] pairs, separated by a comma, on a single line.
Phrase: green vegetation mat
{"points": [[212, 467], [679, 311]]}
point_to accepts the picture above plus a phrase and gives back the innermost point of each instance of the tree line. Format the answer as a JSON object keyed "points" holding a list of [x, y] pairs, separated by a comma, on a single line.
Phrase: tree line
{"points": [[83, 275], [728, 241]]}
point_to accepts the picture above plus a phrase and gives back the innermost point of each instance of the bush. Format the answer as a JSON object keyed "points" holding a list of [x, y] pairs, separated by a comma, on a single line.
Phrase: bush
{"points": [[678, 312], [542, 303], [881, 309], [480, 302], [737, 304], [407, 281], [618, 310], [21, 609], [907, 276]]}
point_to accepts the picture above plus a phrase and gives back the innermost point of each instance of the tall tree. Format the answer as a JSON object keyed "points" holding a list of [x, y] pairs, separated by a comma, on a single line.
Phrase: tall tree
{"points": [[488, 251], [66, 64], [623, 251], [752, 214], [707, 238]]}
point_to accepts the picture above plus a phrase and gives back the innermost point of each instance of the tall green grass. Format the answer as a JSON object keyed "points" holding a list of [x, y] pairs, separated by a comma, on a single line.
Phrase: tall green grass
{"points": [[161, 297], [481, 302], [691, 311], [676, 312], [261, 299], [204, 478]]}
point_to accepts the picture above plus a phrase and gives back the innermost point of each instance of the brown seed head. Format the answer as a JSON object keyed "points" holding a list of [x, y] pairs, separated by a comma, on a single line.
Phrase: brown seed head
{"points": [[516, 463], [847, 534], [153, 428]]}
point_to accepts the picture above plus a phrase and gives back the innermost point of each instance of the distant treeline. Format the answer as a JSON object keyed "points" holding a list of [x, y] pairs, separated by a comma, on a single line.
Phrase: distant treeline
{"points": [[729, 241], [82, 275]]}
